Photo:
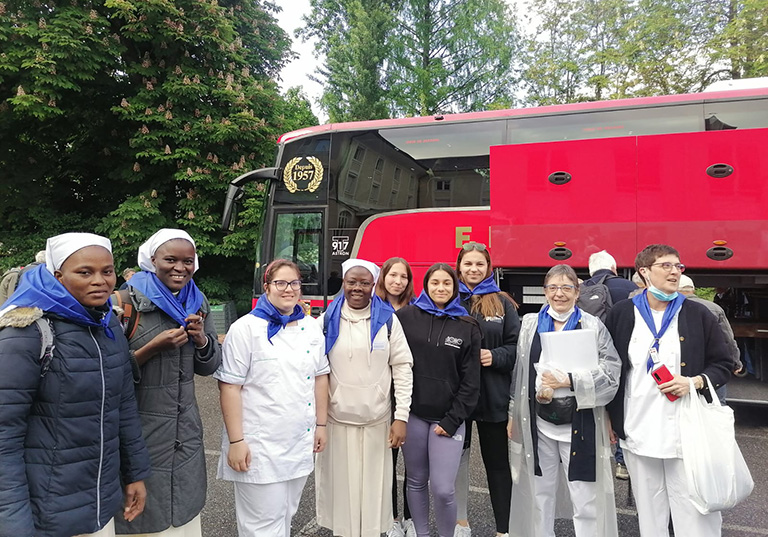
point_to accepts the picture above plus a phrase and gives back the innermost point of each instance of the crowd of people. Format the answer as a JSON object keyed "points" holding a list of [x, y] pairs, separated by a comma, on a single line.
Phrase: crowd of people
{"points": [[101, 432]]}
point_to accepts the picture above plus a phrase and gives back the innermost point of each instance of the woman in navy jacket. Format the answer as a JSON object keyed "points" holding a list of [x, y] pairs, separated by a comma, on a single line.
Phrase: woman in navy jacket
{"points": [[70, 428]]}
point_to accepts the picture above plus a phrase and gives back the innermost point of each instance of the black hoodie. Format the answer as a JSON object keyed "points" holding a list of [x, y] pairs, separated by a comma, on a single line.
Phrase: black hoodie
{"points": [[446, 366]]}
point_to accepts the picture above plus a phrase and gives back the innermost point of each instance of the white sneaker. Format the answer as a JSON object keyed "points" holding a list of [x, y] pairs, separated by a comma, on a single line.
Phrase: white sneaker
{"points": [[397, 530], [409, 528], [462, 531]]}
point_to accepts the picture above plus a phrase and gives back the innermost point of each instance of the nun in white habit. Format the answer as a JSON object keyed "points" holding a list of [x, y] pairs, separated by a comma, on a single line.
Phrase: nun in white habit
{"points": [[368, 355]]}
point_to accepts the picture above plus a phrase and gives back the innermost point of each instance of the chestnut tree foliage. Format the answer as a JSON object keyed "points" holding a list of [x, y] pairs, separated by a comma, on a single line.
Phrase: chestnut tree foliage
{"points": [[124, 116]]}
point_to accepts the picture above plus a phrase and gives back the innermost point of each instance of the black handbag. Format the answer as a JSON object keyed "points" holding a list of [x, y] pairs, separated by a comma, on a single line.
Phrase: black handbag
{"points": [[559, 411]]}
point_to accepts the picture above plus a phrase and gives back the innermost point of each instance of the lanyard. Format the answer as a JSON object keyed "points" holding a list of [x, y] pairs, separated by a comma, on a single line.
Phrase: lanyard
{"points": [[641, 303]]}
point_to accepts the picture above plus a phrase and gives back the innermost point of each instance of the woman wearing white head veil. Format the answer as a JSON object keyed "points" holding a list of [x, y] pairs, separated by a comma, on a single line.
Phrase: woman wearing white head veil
{"points": [[70, 430], [368, 355], [172, 340]]}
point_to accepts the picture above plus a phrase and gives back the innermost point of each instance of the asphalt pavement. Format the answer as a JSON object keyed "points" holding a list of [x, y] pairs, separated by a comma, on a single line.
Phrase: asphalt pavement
{"points": [[749, 519]]}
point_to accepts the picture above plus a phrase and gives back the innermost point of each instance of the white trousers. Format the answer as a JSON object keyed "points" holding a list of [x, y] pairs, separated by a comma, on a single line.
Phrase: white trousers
{"points": [[106, 531], [659, 485], [267, 510], [551, 454]]}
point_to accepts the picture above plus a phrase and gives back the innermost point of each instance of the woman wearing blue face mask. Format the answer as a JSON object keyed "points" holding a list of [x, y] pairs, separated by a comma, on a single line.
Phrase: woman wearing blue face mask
{"points": [[658, 329], [445, 343]]}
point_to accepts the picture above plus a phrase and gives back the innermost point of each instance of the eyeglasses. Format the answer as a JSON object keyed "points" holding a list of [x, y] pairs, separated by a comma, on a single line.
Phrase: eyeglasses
{"points": [[362, 285], [667, 266], [567, 289], [479, 246], [282, 285]]}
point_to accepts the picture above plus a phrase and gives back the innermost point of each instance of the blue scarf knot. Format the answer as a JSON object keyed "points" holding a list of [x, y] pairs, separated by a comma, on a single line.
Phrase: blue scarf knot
{"points": [[547, 323], [381, 312], [485, 287], [39, 288], [178, 307], [266, 310], [640, 301], [453, 309]]}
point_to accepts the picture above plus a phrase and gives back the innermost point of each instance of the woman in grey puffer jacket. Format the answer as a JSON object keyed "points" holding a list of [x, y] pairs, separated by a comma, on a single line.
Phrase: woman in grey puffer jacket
{"points": [[173, 341]]}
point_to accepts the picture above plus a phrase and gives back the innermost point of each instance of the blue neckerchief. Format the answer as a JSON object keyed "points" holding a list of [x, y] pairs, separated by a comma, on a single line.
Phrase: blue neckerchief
{"points": [[266, 310], [547, 323], [452, 309], [178, 307], [381, 312], [485, 287], [39, 288], [641, 303]]}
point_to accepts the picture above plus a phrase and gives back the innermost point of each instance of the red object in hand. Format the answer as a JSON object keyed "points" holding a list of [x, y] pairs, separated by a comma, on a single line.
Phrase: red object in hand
{"points": [[661, 375]]}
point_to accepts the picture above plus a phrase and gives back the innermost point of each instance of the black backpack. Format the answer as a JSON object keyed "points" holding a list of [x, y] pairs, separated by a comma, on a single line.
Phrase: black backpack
{"points": [[595, 298]]}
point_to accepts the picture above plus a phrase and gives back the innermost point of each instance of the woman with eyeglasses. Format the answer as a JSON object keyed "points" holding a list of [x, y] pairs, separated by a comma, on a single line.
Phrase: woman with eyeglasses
{"points": [[273, 384], [656, 329], [395, 286], [369, 359], [172, 339], [561, 440], [499, 323], [445, 342]]}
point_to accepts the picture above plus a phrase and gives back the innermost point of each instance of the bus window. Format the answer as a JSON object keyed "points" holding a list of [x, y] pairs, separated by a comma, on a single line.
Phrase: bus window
{"points": [[304, 175], [445, 139], [298, 237], [606, 124], [747, 114]]}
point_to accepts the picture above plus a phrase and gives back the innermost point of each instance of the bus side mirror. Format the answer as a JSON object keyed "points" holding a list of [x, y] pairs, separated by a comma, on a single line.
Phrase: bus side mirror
{"points": [[235, 191]]}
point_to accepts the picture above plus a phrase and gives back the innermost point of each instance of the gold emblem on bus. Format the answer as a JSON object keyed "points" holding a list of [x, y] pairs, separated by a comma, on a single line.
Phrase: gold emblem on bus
{"points": [[310, 174]]}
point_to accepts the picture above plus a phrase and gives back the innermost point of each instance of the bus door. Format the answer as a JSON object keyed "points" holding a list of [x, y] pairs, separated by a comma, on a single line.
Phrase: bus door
{"points": [[705, 193], [560, 202], [298, 235]]}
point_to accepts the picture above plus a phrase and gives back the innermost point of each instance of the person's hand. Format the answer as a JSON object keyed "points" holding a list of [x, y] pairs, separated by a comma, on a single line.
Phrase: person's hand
{"points": [[548, 380], [441, 432], [612, 435], [486, 358], [239, 456], [510, 424], [168, 340], [321, 438], [196, 330], [135, 497], [678, 386], [397, 434]]}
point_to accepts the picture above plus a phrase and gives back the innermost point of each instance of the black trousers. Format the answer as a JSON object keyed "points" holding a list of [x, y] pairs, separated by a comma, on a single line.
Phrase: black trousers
{"points": [[494, 450]]}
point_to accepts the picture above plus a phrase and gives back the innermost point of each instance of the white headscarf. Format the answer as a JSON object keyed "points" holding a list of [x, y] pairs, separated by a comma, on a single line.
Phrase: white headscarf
{"points": [[60, 247], [148, 249], [352, 263]]}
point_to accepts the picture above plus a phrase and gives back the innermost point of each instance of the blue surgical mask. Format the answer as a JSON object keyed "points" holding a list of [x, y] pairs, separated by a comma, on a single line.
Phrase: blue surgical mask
{"points": [[661, 295]]}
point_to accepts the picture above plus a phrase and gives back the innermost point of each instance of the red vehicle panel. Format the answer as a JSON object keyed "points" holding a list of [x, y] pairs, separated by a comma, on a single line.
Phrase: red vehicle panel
{"points": [[422, 236], [594, 210], [680, 204]]}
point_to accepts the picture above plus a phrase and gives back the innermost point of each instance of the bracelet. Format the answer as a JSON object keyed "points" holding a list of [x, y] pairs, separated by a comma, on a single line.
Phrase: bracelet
{"points": [[236, 441], [204, 344], [321, 424]]}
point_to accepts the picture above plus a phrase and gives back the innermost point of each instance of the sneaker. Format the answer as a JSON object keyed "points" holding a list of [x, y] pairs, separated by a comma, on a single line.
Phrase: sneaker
{"points": [[621, 472], [409, 528], [397, 530], [462, 531]]}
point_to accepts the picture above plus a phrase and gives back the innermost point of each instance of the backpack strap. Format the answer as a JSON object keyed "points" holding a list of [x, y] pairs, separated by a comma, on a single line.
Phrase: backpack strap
{"points": [[47, 344], [130, 319]]}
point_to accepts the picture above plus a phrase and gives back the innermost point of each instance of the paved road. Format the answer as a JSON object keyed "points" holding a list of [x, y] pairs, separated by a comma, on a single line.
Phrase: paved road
{"points": [[749, 519]]}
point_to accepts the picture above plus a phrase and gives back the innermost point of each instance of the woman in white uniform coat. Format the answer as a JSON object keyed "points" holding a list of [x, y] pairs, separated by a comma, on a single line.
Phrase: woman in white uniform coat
{"points": [[274, 384]]}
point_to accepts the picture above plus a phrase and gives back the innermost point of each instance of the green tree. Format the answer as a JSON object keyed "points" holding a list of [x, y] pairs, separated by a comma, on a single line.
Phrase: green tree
{"points": [[451, 56], [124, 116], [741, 44], [351, 36]]}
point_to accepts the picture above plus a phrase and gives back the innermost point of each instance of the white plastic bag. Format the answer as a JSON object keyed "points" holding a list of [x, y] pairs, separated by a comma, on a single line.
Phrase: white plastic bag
{"points": [[717, 475]]}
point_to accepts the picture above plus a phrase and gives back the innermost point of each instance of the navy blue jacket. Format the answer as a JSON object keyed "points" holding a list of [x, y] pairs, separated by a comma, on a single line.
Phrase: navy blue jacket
{"points": [[68, 438], [619, 287]]}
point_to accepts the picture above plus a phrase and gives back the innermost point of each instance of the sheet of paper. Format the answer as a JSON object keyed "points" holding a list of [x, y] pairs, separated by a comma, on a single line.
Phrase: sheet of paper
{"points": [[569, 351]]}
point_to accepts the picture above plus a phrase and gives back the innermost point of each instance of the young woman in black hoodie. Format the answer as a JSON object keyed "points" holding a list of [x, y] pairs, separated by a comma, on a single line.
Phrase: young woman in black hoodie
{"points": [[445, 343], [496, 313]]}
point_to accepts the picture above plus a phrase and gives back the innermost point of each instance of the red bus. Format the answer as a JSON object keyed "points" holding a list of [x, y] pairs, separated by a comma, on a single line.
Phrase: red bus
{"points": [[539, 186]]}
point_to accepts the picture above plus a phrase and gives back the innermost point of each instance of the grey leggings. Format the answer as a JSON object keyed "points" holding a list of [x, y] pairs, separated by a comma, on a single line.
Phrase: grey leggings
{"points": [[432, 461]]}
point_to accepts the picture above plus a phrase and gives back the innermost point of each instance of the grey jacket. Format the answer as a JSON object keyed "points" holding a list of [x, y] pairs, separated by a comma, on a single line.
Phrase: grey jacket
{"points": [[170, 419], [725, 326]]}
